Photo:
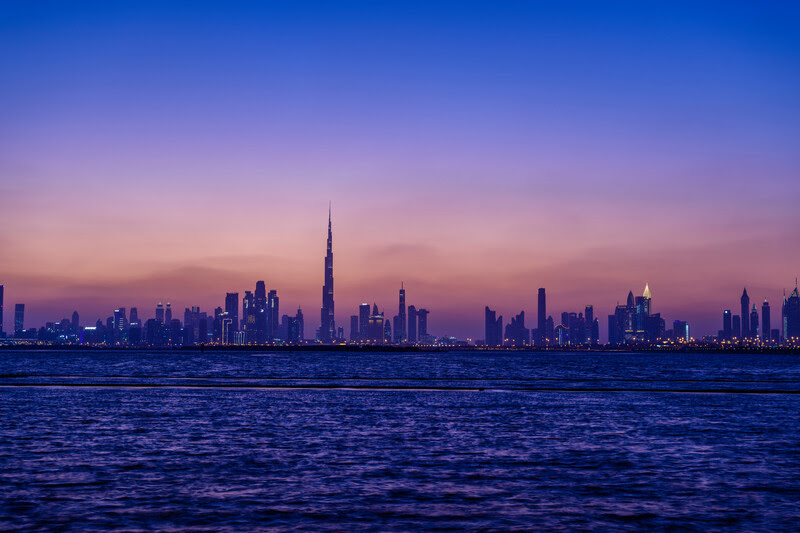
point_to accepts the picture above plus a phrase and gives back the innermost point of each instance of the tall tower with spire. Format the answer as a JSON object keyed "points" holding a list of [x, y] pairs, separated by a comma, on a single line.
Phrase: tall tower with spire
{"points": [[327, 328], [745, 301], [647, 299]]}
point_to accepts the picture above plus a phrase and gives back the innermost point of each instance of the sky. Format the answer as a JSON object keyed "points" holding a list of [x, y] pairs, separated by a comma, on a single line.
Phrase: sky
{"points": [[476, 151]]}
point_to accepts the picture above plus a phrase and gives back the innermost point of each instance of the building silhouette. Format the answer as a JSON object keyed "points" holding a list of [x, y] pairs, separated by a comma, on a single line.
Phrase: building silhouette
{"points": [[400, 330], [422, 326], [727, 326], [766, 326], [791, 317], [354, 329], [541, 319], [754, 334], [516, 333], [412, 324], [19, 319], [273, 311], [260, 305], [232, 309], [363, 321], [249, 318], [736, 320], [375, 327], [327, 329], [745, 301], [493, 328]]}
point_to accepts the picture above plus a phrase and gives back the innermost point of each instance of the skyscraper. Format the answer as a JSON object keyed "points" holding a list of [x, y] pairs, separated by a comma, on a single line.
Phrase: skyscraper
{"points": [[363, 321], [260, 304], [387, 332], [249, 318], [412, 324], [493, 328], [765, 321], [327, 328], [727, 327], [160, 313], [354, 329], [541, 320], [745, 301], [647, 300], [232, 308], [736, 321], [375, 327], [791, 317], [75, 323], [516, 333], [400, 336], [754, 323], [422, 325], [19, 319], [273, 310], [301, 325], [168, 314]]}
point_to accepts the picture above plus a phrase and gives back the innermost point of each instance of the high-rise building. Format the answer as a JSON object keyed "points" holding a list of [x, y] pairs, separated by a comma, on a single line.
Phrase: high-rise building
{"points": [[120, 319], [745, 301], [412, 324], [327, 328], [249, 318], [301, 326], [134, 319], [232, 308], [516, 333], [541, 320], [400, 336], [493, 327], [727, 326], [754, 323], [387, 332], [736, 321], [681, 330], [766, 326], [168, 314], [647, 300], [75, 323], [791, 317], [422, 325], [273, 310], [260, 304], [160, 313], [396, 329], [354, 329], [19, 319], [363, 321], [375, 327]]}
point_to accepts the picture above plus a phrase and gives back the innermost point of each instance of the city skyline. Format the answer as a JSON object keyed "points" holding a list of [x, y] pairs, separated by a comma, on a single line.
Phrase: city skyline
{"points": [[475, 155], [636, 321]]}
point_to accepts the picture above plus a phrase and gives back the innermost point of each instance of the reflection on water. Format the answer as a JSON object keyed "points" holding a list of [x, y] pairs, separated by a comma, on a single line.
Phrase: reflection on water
{"points": [[439, 455]]}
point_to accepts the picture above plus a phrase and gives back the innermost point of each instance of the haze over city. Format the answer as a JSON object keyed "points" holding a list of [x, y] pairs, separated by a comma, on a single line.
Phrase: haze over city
{"points": [[149, 153]]}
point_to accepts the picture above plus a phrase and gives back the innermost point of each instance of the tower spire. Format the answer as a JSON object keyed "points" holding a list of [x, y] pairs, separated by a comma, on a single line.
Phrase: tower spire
{"points": [[327, 330]]}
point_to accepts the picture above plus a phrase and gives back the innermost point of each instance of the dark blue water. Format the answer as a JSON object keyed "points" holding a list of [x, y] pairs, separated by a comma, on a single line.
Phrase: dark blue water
{"points": [[449, 441]]}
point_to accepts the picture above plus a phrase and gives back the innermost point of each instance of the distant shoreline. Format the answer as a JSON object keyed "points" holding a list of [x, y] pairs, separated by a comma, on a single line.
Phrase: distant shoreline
{"points": [[693, 349]]}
